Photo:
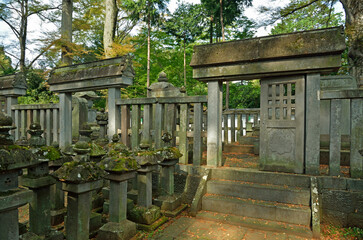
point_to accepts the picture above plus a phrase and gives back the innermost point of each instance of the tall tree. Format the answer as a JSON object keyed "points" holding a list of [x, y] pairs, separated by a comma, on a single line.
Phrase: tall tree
{"points": [[66, 30], [186, 24], [15, 13], [353, 28], [222, 13], [150, 12], [110, 26]]}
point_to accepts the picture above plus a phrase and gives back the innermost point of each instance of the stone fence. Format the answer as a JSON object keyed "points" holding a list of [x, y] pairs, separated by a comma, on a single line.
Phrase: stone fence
{"points": [[45, 114], [165, 117]]}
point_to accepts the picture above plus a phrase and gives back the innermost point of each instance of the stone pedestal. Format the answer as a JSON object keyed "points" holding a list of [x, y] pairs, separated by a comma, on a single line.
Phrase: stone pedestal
{"points": [[39, 211], [169, 201], [144, 183], [119, 227], [58, 210], [79, 208], [11, 199]]}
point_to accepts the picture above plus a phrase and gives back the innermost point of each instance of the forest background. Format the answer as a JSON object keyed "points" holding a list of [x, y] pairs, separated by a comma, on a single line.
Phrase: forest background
{"points": [[158, 40]]}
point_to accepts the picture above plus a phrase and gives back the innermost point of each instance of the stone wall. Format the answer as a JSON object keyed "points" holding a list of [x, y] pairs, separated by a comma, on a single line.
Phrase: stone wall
{"points": [[341, 201]]}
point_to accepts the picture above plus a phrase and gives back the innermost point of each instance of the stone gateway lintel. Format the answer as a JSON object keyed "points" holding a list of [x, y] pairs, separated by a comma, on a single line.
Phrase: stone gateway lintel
{"points": [[108, 73], [286, 54]]}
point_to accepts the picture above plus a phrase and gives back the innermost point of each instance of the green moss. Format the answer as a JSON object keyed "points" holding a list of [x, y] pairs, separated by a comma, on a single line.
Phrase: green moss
{"points": [[79, 172], [96, 150], [51, 153], [119, 164], [170, 153]]}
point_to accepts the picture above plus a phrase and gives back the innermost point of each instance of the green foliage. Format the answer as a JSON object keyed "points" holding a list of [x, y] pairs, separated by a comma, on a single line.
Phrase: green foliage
{"points": [[232, 12], [314, 16], [167, 56], [37, 91], [245, 95], [186, 23], [5, 63]]}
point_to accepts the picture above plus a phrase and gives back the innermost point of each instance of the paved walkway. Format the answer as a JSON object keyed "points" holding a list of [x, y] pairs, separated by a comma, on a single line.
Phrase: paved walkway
{"points": [[194, 228]]}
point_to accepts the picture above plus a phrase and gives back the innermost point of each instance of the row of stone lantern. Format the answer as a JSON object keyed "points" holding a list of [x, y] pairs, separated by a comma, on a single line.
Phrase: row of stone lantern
{"points": [[14, 158], [79, 178]]}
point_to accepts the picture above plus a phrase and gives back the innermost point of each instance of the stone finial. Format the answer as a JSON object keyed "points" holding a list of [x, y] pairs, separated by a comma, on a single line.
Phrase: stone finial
{"points": [[102, 117], [115, 138], [35, 131], [6, 124], [85, 132], [162, 77], [183, 89], [166, 137], [81, 148]]}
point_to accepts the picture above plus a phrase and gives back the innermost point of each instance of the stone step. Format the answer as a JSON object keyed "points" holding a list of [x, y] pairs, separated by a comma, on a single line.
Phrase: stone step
{"points": [[256, 223], [288, 213], [265, 192], [262, 177], [238, 148]]}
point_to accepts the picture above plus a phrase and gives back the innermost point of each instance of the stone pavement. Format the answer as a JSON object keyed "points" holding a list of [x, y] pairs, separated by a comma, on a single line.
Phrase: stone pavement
{"points": [[194, 228]]}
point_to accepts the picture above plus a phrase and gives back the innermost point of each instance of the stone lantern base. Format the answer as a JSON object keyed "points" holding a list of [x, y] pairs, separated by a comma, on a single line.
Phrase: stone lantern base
{"points": [[117, 231]]}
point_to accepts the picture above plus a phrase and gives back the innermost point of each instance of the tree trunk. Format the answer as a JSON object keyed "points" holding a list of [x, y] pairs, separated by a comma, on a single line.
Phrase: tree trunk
{"points": [[148, 46], [221, 15], [185, 67], [23, 33], [223, 39], [109, 27], [354, 30], [66, 30], [211, 30]]}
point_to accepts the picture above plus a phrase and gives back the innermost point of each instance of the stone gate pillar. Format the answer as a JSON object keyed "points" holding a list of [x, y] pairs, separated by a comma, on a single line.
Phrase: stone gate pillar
{"points": [[214, 135]]}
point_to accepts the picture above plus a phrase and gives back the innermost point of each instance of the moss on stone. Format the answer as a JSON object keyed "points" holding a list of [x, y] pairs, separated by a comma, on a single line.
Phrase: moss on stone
{"points": [[119, 164], [96, 150], [51, 153], [169, 153], [145, 215], [79, 172]]}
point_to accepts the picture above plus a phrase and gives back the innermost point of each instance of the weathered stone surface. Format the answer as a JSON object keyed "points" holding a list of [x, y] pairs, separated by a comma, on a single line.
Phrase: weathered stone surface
{"points": [[355, 184], [13, 85], [339, 82], [117, 231], [334, 218], [320, 41], [115, 72], [355, 220], [327, 182], [337, 200], [145, 215]]}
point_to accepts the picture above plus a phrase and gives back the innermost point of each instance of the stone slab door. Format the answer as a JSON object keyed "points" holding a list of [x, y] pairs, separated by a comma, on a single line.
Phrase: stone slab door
{"points": [[282, 124]]}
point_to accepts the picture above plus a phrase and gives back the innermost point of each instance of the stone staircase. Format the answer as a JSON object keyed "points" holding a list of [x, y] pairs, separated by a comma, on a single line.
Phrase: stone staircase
{"points": [[264, 200]]}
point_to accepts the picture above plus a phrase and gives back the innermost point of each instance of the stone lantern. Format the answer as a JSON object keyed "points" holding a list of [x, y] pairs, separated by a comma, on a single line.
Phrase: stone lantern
{"points": [[121, 168], [79, 178], [145, 214], [102, 120], [12, 159], [39, 181]]}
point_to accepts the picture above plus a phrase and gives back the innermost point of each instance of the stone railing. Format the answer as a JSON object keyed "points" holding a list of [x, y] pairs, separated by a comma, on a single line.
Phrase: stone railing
{"points": [[335, 97], [239, 122], [47, 115], [164, 117]]}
